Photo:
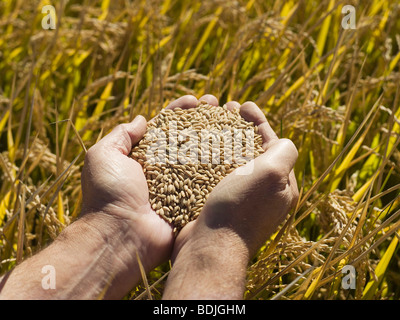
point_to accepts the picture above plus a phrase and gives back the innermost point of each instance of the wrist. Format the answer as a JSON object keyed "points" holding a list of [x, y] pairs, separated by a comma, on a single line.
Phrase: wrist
{"points": [[84, 264], [104, 262], [214, 261], [117, 232], [220, 242]]}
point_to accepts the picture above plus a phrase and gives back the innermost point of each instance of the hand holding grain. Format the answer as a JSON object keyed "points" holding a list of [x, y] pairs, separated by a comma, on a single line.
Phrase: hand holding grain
{"points": [[252, 206], [96, 256], [239, 215], [116, 192]]}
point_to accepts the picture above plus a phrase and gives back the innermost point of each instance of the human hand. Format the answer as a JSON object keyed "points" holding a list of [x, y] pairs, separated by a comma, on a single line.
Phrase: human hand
{"points": [[115, 186], [115, 197], [96, 256], [239, 215], [251, 206]]}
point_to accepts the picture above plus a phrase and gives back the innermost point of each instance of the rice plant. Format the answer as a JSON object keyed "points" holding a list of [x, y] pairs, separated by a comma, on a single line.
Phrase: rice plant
{"points": [[334, 91]]}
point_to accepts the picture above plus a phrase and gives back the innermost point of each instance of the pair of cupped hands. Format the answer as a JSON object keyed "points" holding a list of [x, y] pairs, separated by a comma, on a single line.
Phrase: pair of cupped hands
{"points": [[239, 215]]}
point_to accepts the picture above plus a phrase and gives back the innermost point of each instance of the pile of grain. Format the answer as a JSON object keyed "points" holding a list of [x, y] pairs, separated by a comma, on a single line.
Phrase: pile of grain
{"points": [[182, 171]]}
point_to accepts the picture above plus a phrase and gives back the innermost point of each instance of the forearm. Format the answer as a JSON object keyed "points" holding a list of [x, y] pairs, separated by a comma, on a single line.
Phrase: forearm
{"points": [[211, 268], [84, 261]]}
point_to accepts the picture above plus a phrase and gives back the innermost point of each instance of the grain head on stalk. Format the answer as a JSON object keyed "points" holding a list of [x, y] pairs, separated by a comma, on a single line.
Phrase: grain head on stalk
{"points": [[185, 153]]}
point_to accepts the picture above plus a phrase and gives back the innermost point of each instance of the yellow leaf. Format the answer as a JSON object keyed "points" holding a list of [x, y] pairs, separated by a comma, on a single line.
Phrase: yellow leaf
{"points": [[323, 35], [60, 208], [104, 7], [204, 38], [4, 206], [380, 270]]}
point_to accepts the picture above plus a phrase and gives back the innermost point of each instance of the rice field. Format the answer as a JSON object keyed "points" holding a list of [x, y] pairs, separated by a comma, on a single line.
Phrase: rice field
{"points": [[334, 91]]}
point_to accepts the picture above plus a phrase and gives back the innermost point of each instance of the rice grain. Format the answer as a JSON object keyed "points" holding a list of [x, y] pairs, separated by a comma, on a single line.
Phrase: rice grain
{"points": [[184, 173]]}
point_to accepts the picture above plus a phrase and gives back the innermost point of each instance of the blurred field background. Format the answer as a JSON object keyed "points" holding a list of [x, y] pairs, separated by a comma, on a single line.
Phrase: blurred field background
{"points": [[334, 92]]}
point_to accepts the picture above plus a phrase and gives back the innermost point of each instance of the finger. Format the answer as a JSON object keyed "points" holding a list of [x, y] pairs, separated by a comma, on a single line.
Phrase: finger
{"points": [[124, 136], [252, 113], [279, 159], [273, 166], [184, 102], [210, 99], [231, 105], [183, 237]]}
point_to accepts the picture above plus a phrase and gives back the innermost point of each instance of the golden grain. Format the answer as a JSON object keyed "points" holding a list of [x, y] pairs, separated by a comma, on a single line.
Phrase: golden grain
{"points": [[179, 188]]}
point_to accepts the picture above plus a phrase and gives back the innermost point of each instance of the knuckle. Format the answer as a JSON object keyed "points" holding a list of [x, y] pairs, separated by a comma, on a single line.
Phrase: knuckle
{"points": [[122, 128], [124, 132], [274, 174], [289, 145], [90, 153]]}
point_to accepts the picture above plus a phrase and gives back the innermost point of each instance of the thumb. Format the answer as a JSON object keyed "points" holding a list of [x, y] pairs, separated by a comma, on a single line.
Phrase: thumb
{"points": [[124, 136], [283, 154], [279, 159]]}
